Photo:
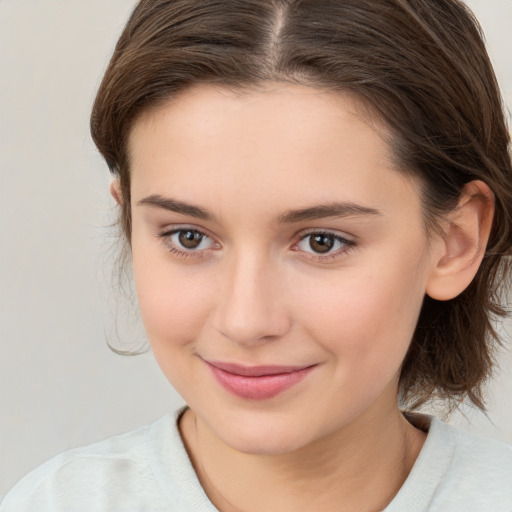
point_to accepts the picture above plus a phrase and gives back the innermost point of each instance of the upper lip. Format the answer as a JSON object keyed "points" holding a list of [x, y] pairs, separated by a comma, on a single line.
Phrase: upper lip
{"points": [[256, 371]]}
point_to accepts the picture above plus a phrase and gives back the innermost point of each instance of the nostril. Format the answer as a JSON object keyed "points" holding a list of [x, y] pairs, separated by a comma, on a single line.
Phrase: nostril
{"points": [[253, 328]]}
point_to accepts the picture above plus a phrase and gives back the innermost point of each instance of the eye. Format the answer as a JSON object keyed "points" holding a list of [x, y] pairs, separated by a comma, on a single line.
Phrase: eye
{"points": [[187, 241], [326, 244]]}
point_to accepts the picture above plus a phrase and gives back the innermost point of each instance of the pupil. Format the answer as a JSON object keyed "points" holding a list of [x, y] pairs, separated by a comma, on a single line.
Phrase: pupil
{"points": [[321, 243], [190, 239]]}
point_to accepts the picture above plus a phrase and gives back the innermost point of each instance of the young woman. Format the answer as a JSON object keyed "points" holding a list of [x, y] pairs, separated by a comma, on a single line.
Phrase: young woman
{"points": [[317, 199]]}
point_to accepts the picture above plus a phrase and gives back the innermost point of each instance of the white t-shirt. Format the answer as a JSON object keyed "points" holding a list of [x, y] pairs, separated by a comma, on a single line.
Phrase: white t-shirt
{"points": [[148, 470]]}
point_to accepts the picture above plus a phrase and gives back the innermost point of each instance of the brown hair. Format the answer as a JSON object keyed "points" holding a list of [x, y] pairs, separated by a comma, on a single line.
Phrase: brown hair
{"points": [[419, 65]]}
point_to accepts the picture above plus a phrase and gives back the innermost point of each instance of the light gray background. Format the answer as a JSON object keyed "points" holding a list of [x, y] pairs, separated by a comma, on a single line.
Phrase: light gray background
{"points": [[60, 386]]}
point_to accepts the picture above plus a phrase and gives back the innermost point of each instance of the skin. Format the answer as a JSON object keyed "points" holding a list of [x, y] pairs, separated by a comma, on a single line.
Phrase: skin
{"points": [[255, 292]]}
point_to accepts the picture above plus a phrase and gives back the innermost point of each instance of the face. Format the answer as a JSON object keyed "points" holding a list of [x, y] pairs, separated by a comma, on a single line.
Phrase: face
{"points": [[280, 261]]}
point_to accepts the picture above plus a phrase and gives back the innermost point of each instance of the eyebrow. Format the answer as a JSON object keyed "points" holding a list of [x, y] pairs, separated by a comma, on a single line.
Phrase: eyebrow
{"points": [[327, 210], [166, 203], [291, 216]]}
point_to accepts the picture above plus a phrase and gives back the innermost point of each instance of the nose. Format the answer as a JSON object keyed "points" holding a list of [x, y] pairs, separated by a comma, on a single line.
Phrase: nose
{"points": [[251, 306]]}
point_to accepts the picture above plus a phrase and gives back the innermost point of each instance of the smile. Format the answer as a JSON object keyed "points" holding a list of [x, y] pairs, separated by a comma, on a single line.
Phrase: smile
{"points": [[257, 382]]}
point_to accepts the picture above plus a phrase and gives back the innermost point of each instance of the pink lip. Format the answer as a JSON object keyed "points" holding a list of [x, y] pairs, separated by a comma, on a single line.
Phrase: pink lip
{"points": [[257, 382]]}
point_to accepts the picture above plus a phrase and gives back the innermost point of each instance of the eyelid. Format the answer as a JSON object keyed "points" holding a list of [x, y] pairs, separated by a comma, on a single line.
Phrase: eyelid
{"points": [[170, 229], [351, 239]]}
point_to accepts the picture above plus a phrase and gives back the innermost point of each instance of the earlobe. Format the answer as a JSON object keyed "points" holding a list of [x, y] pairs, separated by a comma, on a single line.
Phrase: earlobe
{"points": [[115, 191], [463, 244]]}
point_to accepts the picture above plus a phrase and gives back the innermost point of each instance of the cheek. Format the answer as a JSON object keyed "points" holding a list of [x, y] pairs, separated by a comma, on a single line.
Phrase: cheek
{"points": [[173, 307], [364, 317]]}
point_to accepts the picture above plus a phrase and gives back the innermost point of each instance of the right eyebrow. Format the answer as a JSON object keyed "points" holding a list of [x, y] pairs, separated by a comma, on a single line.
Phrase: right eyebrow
{"points": [[167, 203]]}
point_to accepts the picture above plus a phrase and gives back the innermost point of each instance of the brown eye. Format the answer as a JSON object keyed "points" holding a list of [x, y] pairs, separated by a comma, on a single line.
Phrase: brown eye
{"points": [[188, 242], [324, 244], [321, 243], [190, 239]]}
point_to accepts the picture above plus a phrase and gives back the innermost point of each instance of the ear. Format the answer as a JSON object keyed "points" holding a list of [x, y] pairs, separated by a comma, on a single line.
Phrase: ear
{"points": [[115, 191], [462, 246]]}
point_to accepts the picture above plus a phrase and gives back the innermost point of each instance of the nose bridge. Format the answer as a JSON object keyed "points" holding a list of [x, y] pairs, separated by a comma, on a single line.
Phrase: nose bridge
{"points": [[251, 305]]}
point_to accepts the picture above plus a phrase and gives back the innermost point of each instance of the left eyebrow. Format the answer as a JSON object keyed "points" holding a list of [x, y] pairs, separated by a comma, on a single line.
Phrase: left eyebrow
{"points": [[327, 210]]}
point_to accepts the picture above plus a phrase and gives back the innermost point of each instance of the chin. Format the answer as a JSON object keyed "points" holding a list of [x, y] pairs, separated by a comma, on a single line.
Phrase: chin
{"points": [[264, 444], [263, 435]]}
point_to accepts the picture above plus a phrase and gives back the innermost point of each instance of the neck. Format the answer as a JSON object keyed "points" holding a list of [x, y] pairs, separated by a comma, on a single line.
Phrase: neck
{"points": [[359, 467]]}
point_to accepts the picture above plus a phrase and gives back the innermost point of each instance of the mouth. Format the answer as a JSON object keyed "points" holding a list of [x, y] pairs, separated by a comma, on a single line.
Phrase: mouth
{"points": [[257, 382]]}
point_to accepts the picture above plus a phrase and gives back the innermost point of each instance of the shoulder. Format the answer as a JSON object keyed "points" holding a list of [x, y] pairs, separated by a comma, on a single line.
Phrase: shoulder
{"points": [[471, 452], [459, 472], [478, 476], [480, 466], [86, 478]]}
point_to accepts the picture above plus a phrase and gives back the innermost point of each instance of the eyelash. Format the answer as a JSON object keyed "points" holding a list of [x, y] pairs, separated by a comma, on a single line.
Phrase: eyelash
{"points": [[348, 245]]}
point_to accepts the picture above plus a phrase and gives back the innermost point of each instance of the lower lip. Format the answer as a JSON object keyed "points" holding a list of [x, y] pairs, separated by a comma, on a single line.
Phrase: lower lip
{"points": [[260, 387]]}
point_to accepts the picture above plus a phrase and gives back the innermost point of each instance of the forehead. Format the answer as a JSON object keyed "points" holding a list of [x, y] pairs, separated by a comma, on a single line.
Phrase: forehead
{"points": [[295, 111], [282, 143]]}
